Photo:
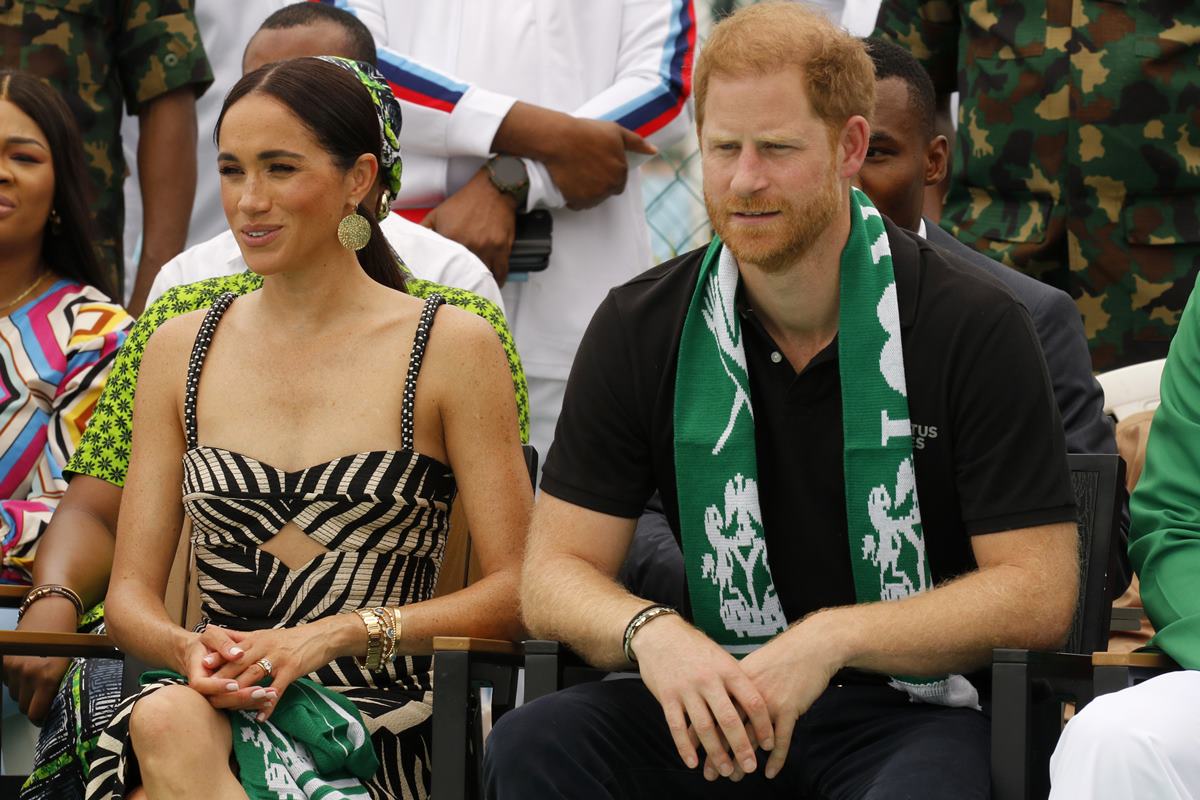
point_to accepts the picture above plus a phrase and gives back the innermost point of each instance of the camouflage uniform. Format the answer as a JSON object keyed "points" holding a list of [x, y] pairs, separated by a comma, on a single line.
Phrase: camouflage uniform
{"points": [[98, 53], [1078, 149]]}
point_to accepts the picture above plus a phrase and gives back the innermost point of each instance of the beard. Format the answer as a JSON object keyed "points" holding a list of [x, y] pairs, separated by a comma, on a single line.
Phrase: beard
{"points": [[776, 245]]}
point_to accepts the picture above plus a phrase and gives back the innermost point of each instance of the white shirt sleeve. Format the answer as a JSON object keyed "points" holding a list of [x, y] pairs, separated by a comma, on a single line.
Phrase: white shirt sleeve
{"points": [[651, 94]]}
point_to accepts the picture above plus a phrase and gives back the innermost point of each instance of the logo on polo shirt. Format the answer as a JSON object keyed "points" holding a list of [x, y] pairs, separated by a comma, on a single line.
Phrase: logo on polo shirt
{"points": [[922, 432]]}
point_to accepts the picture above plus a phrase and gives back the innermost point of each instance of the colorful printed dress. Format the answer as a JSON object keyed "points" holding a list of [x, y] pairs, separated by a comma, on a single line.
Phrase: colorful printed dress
{"points": [[56, 351], [384, 518]]}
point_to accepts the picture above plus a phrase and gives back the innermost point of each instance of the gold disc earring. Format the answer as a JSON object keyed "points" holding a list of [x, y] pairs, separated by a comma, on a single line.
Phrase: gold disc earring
{"points": [[354, 231]]}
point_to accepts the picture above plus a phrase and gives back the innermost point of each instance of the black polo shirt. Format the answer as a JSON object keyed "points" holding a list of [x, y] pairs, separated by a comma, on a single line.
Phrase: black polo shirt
{"points": [[987, 441]]}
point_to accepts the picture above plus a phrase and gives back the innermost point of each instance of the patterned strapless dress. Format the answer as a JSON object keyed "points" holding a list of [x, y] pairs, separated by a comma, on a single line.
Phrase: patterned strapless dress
{"points": [[384, 518]]}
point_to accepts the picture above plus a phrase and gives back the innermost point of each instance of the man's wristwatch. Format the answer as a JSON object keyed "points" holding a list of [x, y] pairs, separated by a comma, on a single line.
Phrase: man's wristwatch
{"points": [[509, 176]]}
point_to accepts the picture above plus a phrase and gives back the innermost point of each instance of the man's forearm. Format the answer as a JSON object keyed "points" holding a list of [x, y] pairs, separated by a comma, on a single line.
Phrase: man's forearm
{"points": [[955, 627], [570, 600], [529, 131], [167, 176], [573, 599]]}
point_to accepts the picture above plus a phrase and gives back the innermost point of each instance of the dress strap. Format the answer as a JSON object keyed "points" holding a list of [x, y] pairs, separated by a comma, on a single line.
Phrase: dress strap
{"points": [[414, 368], [199, 352]]}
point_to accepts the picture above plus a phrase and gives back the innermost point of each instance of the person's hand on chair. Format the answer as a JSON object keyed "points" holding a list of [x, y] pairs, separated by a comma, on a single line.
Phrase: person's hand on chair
{"points": [[33, 680]]}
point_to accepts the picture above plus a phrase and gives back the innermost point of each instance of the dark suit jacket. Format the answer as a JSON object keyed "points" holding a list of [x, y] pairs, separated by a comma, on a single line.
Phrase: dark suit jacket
{"points": [[1060, 330]]}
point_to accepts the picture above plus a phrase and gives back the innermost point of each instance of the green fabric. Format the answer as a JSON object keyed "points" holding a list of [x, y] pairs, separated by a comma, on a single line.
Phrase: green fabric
{"points": [[314, 746], [733, 594], [388, 110], [103, 452], [1164, 537]]}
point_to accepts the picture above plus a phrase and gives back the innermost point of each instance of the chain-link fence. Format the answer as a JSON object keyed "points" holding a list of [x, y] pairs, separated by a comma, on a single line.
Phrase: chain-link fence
{"points": [[671, 182]]}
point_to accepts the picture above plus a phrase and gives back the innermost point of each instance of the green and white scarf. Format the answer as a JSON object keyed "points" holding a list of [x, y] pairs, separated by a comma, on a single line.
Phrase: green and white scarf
{"points": [[314, 746], [732, 591]]}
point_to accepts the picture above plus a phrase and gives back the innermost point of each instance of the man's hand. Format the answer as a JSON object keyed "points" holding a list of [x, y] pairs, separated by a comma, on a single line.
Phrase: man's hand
{"points": [[481, 218], [790, 671], [32, 681], [587, 160], [697, 682]]}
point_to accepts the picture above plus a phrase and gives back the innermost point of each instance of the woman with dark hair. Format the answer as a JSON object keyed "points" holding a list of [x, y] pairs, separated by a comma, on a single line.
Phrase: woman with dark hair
{"points": [[59, 332], [320, 428]]}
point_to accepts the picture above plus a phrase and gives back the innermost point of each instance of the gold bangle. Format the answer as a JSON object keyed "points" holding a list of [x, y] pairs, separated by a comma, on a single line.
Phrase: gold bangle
{"points": [[46, 590], [388, 622], [374, 640]]}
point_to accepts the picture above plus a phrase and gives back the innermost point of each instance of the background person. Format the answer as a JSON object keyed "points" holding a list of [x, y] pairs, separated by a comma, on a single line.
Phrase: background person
{"points": [[511, 107], [1143, 741], [1078, 153], [59, 332], [105, 56], [288, 180]]}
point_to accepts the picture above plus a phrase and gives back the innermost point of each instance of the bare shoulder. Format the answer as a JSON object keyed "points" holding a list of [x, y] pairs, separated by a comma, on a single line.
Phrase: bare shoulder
{"points": [[463, 349], [457, 332]]}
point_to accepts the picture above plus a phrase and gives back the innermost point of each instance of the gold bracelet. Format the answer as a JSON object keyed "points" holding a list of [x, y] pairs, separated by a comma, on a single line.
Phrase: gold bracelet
{"points": [[46, 590], [388, 621], [374, 640]]}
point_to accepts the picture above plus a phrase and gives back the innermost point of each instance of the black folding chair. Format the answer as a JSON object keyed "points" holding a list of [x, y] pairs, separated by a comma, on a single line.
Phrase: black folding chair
{"points": [[1029, 688], [474, 684]]}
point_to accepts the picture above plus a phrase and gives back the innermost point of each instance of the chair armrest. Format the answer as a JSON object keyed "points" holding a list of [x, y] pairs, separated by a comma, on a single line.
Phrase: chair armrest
{"points": [[44, 643], [1141, 660], [1126, 619], [12, 594], [469, 644], [1045, 664]]}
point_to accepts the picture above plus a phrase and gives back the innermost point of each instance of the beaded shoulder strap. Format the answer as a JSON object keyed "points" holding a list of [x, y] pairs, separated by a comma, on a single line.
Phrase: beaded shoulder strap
{"points": [[196, 364], [414, 367]]}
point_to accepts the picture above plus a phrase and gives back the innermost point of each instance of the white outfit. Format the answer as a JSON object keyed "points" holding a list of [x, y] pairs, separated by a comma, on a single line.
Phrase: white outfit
{"points": [[1143, 742], [427, 255], [465, 62]]}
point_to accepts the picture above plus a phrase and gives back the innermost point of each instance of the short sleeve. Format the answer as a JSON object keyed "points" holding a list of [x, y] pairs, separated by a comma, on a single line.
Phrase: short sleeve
{"points": [[159, 50], [1010, 455], [601, 456]]}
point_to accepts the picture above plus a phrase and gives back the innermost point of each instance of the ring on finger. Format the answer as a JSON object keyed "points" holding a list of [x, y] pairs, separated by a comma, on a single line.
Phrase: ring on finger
{"points": [[266, 665]]}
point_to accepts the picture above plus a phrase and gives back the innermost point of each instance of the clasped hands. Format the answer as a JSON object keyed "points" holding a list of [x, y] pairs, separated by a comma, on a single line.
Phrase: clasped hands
{"points": [[727, 707], [224, 665]]}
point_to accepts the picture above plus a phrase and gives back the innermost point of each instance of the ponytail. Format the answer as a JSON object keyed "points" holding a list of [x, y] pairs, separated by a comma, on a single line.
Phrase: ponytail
{"points": [[378, 259]]}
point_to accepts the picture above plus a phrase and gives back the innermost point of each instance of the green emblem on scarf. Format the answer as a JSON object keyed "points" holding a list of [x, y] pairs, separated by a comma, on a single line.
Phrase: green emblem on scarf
{"points": [[733, 594]]}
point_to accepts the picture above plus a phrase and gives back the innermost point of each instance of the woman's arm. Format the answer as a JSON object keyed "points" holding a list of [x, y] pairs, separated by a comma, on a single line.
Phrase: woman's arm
{"points": [[466, 370], [75, 551], [151, 514]]}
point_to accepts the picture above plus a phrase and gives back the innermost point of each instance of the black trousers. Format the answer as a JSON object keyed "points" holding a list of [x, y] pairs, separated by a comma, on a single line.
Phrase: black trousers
{"points": [[610, 740]]}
